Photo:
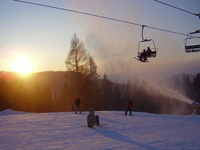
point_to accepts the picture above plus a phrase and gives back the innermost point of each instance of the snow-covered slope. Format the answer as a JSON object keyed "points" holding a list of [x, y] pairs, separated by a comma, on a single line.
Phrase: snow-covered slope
{"points": [[31, 131]]}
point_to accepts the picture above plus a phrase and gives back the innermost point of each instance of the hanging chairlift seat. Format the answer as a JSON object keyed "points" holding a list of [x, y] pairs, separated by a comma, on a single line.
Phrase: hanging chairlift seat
{"points": [[153, 51], [193, 47]]}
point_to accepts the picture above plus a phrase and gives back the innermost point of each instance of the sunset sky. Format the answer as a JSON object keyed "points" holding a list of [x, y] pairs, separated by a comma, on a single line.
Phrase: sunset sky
{"points": [[42, 35]]}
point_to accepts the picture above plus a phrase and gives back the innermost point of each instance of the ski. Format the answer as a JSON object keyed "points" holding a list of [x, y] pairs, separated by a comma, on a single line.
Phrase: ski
{"points": [[95, 125], [141, 61]]}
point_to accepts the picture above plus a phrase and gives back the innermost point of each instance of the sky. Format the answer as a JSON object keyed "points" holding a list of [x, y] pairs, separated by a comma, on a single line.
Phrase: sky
{"points": [[42, 35]]}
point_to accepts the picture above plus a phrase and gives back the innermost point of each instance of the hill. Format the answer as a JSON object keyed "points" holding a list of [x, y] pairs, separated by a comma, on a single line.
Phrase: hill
{"points": [[55, 131], [56, 91]]}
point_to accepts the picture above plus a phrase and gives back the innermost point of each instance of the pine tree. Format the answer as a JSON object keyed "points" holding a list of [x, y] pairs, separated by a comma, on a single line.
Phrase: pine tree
{"points": [[92, 68], [106, 93], [187, 86], [196, 86], [128, 90], [3, 94]]}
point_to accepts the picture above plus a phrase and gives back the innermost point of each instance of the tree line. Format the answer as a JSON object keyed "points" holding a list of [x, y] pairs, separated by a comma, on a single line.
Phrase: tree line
{"points": [[188, 87], [57, 91]]}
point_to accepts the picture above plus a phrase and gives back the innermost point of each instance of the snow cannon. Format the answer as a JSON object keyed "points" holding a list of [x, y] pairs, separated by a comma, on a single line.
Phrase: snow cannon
{"points": [[196, 105]]}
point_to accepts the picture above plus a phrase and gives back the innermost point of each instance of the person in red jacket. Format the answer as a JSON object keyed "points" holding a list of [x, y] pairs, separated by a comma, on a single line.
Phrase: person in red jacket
{"points": [[129, 106]]}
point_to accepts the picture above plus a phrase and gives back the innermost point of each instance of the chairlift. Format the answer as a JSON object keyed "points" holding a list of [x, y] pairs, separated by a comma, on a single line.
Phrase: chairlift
{"points": [[192, 42], [150, 50]]}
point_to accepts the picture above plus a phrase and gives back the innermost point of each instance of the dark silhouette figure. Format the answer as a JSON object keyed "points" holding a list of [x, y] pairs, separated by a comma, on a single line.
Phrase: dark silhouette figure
{"points": [[92, 119], [77, 105], [143, 56], [129, 106], [149, 52]]}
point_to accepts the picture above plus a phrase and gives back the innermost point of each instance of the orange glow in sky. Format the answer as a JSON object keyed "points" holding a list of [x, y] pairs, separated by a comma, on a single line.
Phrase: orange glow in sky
{"points": [[22, 65], [45, 35]]}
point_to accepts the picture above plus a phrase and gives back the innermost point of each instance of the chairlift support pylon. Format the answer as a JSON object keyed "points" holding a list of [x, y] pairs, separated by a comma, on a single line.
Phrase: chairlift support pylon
{"points": [[194, 47], [153, 49]]}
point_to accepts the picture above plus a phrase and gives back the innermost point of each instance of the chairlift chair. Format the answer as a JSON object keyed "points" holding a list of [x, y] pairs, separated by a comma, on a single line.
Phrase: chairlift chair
{"points": [[151, 45], [192, 43], [153, 52]]}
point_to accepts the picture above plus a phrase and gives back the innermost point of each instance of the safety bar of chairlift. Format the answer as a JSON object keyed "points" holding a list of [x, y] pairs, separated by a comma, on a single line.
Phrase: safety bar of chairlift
{"points": [[146, 40], [192, 48]]}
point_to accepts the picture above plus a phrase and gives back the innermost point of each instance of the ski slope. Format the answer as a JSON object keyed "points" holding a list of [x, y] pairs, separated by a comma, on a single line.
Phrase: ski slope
{"points": [[56, 131]]}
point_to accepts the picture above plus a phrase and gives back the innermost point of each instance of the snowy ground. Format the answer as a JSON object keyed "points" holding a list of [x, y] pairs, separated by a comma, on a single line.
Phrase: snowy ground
{"points": [[36, 131]]}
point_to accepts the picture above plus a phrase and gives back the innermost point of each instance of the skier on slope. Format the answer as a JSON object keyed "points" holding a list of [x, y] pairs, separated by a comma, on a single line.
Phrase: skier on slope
{"points": [[77, 105], [129, 106], [92, 119]]}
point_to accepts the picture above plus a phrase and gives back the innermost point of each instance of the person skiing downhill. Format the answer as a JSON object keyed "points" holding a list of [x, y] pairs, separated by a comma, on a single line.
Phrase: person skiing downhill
{"points": [[92, 119], [129, 106]]}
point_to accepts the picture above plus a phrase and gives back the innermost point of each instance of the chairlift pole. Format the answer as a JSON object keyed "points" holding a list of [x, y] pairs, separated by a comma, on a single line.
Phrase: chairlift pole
{"points": [[143, 33]]}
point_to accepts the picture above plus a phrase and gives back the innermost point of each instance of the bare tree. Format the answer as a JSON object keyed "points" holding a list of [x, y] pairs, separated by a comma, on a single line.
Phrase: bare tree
{"points": [[77, 59]]}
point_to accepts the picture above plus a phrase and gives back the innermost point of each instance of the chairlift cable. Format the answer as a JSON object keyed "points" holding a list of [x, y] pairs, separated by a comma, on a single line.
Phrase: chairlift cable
{"points": [[198, 15], [99, 16]]}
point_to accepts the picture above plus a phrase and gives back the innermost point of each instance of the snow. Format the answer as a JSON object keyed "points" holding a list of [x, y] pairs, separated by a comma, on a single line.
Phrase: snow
{"points": [[62, 130]]}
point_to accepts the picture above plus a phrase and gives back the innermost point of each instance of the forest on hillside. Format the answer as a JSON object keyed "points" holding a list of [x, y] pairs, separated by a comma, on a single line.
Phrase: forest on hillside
{"points": [[57, 91]]}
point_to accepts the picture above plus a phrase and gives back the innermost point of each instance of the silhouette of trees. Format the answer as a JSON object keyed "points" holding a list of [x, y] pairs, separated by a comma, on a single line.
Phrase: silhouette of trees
{"points": [[187, 86], [106, 93], [77, 59], [92, 68], [196, 87], [56, 91], [3, 94]]}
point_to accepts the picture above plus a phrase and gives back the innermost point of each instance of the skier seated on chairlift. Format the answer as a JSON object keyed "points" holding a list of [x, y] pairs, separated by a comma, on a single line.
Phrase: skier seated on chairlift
{"points": [[143, 56], [149, 52], [92, 119]]}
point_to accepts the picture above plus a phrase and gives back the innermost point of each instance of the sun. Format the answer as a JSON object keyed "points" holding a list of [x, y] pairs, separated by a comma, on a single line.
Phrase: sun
{"points": [[22, 66]]}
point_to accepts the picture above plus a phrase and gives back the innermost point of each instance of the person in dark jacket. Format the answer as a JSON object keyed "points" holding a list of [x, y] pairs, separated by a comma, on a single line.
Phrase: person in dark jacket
{"points": [[149, 52], [144, 56], [129, 106], [77, 105]]}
